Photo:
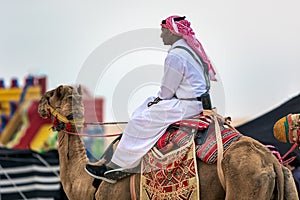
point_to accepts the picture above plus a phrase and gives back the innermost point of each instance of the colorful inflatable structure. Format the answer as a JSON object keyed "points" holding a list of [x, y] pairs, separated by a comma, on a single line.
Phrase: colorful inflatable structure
{"points": [[21, 127], [29, 164], [93, 113]]}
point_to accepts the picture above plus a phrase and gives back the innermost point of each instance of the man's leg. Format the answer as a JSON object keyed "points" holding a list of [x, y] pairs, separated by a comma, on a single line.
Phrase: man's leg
{"points": [[98, 171]]}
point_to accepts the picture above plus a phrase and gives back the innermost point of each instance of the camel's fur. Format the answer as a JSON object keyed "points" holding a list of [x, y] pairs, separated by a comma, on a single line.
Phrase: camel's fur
{"points": [[250, 170]]}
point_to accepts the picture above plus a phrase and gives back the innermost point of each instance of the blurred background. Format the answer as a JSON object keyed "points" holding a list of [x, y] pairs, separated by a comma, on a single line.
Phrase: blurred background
{"points": [[113, 49]]}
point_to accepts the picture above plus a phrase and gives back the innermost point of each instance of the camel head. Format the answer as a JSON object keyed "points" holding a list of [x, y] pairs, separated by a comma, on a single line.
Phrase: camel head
{"points": [[287, 129], [65, 100]]}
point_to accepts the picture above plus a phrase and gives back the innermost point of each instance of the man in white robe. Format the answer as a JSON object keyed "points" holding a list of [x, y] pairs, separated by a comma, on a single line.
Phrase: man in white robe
{"points": [[179, 97]]}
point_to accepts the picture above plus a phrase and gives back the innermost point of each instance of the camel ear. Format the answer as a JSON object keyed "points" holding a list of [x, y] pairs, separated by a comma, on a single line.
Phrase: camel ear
{"points": [[48, 94], [79, 90], [59, 91]]}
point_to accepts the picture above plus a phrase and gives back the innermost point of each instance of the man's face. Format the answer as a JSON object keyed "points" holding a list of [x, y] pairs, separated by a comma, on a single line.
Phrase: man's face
{"points": [[166, 36]]}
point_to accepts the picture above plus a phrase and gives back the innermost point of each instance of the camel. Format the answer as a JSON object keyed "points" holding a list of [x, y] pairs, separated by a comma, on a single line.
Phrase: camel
{"points": [[250, 170]]}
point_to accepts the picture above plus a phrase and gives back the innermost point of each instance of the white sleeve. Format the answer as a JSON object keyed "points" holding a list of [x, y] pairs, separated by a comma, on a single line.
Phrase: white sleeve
{"points": [[173, 74]]}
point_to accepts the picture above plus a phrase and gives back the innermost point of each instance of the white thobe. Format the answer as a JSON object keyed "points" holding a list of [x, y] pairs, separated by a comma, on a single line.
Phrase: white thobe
{"points": [[183, 77]]}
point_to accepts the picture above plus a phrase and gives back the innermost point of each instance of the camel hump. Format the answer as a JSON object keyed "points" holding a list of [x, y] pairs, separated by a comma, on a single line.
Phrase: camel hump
{"points": [[247, 151]]}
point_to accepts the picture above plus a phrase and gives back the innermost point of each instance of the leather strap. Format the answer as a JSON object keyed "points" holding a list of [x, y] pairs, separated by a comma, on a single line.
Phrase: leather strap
{"points": [[62, 118], [189, 99], [220, 150], [132, 187], [201, 63]]}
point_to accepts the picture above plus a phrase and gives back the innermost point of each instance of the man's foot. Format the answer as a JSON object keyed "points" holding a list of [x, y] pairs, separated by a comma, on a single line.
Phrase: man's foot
{"points": [[117, 174], [98, 172]]}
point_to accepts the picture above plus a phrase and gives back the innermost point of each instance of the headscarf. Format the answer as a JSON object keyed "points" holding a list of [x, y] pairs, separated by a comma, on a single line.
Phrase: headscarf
{"points": [[180, 26]]}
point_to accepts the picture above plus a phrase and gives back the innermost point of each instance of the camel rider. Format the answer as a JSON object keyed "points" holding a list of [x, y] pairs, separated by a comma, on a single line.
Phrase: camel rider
{"points": [[187, 71]]}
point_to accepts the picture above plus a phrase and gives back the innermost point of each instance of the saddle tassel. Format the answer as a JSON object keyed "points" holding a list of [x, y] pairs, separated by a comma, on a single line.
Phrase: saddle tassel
{"points": [[68, 127]]}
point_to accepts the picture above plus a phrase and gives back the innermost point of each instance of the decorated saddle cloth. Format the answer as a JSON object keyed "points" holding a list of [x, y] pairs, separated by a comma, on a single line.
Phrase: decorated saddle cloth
{"points": [[169, 170], [170, 176], [203, 128]]}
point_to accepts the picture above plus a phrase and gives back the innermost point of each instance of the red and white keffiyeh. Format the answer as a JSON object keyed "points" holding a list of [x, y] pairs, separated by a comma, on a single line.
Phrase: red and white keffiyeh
{"points": [[183, 28]]}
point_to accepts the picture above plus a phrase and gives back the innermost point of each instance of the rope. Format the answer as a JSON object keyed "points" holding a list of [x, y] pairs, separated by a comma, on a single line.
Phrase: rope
{"points": [[275, 153], [63, 119], [285, 162], [281, 158], [91, 135], [80, 121], [287, 153], [104, 123]]}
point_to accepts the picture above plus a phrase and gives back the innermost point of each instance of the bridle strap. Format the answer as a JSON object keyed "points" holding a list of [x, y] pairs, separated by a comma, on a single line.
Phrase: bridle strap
{"points": [[68, 154], [62, 118]]}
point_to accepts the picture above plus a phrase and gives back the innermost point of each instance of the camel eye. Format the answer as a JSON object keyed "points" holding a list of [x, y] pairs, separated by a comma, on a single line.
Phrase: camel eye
{"points": [[58, 95], [70, 98]]}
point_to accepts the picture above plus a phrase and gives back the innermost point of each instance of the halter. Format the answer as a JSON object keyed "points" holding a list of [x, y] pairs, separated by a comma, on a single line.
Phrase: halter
{"points": [[295, 136], [61, 123], [66, 123]]}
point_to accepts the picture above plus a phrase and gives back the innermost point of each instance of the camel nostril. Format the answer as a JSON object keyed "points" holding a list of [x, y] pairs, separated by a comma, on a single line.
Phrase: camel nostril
{"points": [[42, 113], [70, 117]]}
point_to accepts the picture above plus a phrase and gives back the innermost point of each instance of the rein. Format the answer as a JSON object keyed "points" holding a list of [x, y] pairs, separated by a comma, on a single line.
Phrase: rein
{"points": [[91, 135], [60, 118]]}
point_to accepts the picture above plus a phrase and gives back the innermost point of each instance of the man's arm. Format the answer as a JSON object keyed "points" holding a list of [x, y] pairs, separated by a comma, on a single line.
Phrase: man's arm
{"points": [[173, 74]]}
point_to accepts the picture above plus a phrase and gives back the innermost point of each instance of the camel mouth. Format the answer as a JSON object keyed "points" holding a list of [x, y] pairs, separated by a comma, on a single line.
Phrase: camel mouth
{"points": [[70, 117], [43, 114], [75, 116]]}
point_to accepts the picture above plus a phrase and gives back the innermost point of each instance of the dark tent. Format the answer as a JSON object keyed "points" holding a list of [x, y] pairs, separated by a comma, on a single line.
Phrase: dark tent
{"points": [[26, 174], [261, 128]]}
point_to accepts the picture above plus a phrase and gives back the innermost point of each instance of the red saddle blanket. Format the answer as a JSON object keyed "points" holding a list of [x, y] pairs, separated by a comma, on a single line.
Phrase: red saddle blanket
{"points": [[203, 128]]}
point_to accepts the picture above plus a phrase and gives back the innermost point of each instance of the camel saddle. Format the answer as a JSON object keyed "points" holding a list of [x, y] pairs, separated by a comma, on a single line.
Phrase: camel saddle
{"points": [[203, 129], [180, 133]]}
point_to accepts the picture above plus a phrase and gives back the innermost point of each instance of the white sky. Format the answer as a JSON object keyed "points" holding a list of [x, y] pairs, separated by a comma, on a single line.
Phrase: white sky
{"points": [[253, 44]]}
